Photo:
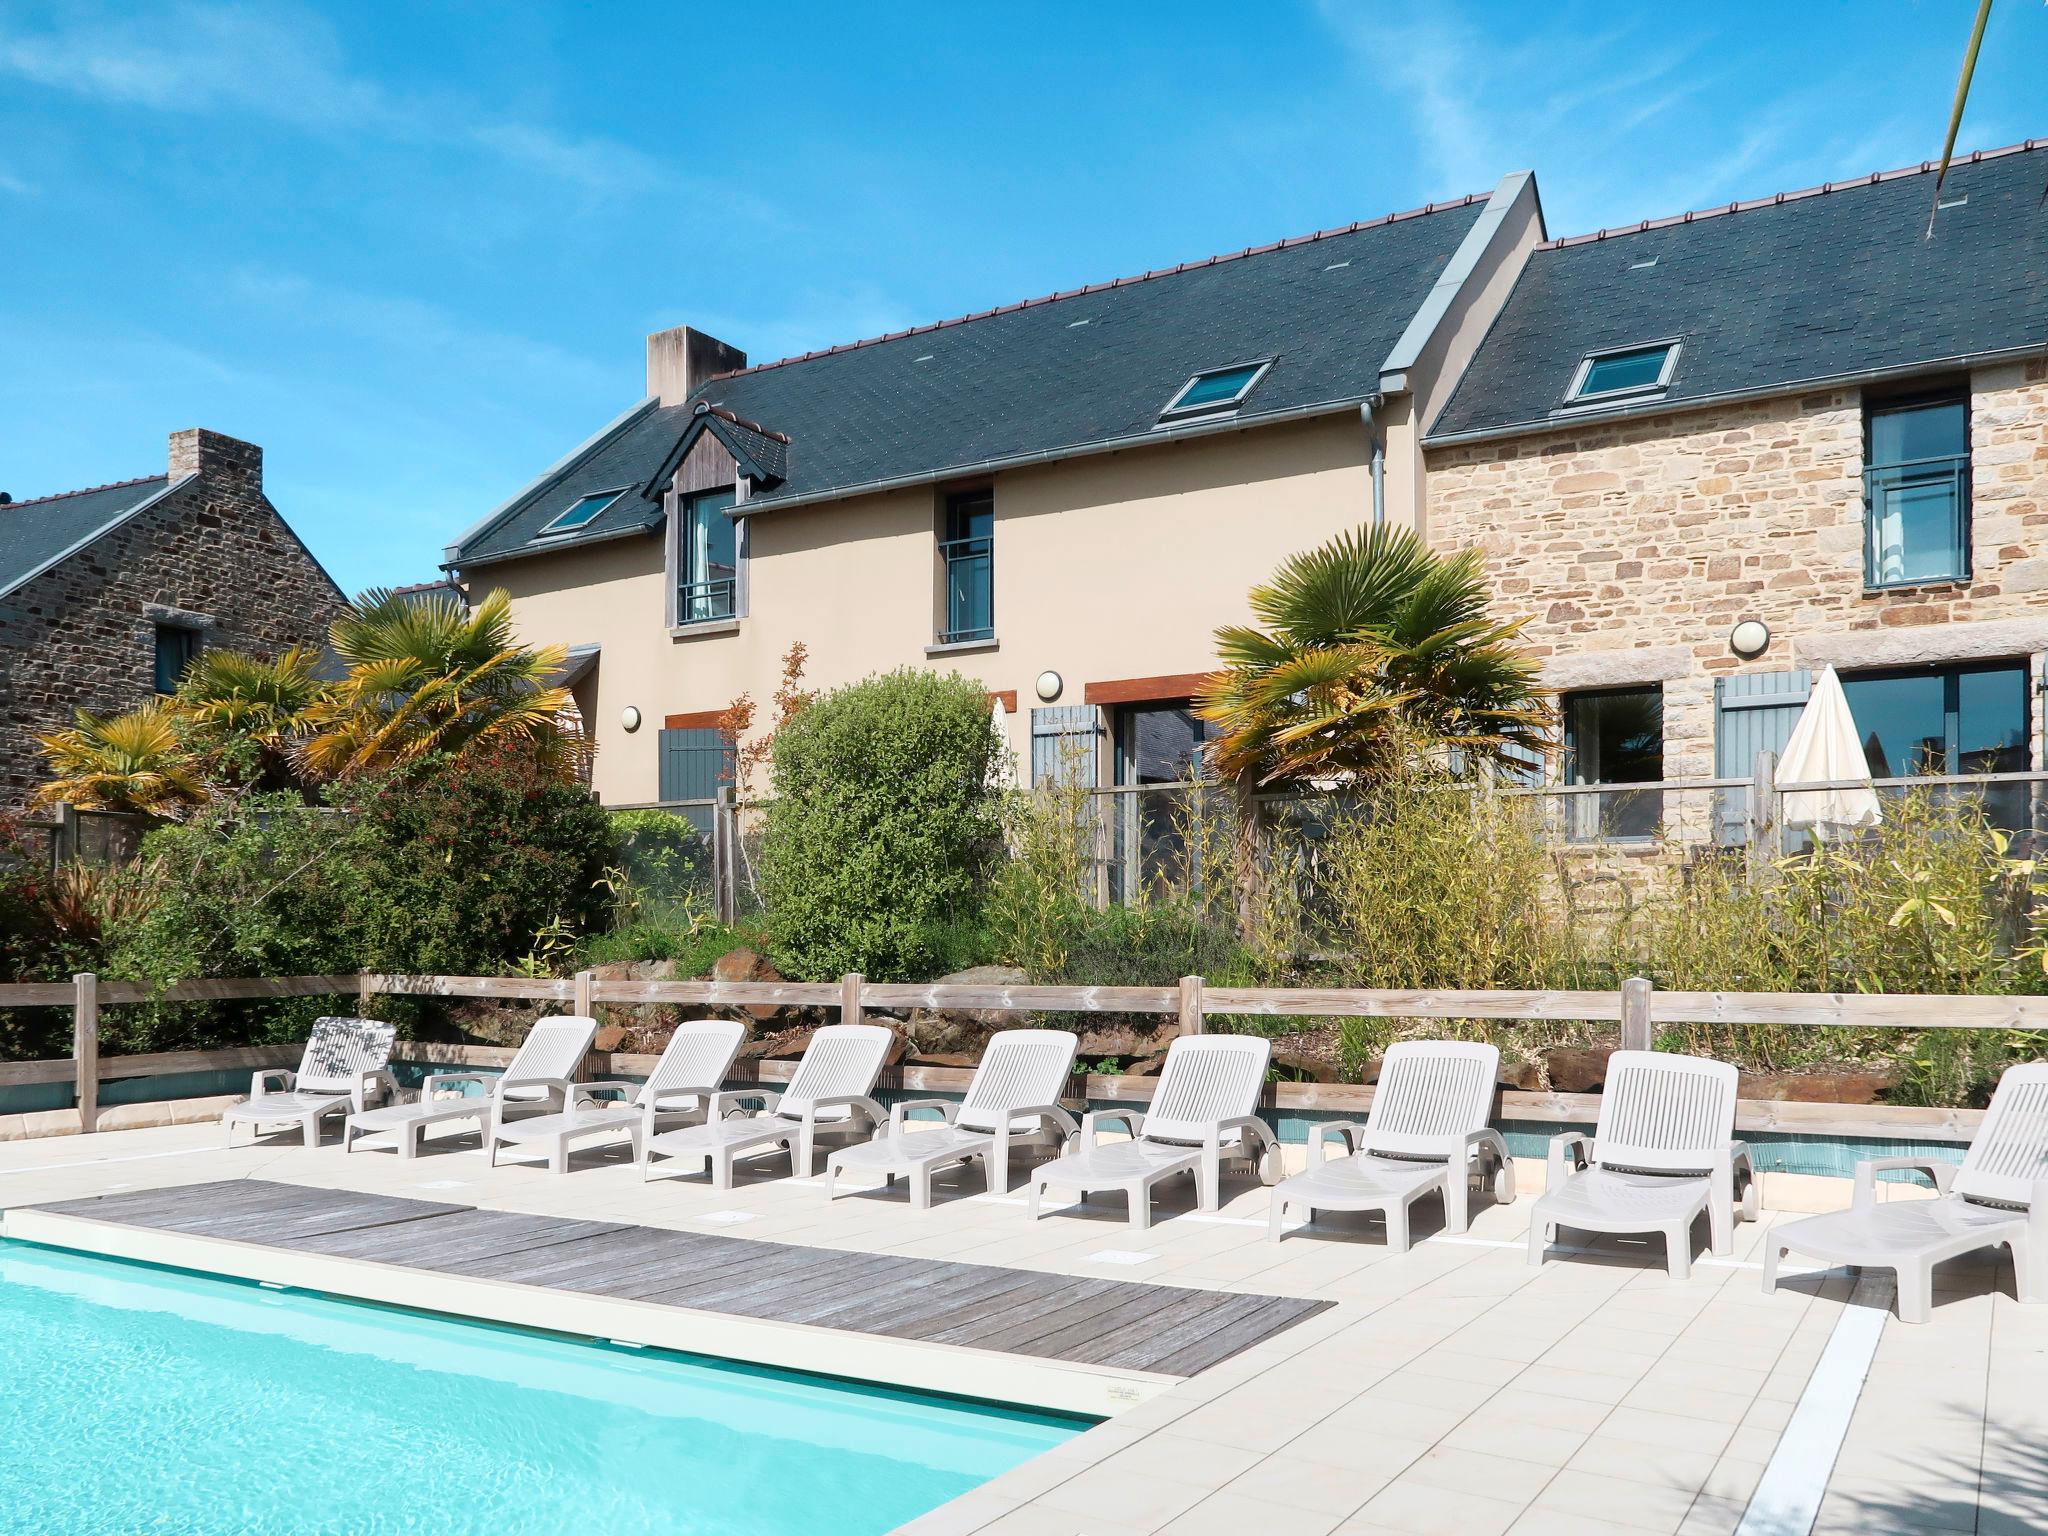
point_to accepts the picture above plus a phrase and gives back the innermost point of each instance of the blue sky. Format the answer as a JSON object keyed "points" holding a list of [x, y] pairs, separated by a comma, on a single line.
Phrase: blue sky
{"points": [[414, 251]]}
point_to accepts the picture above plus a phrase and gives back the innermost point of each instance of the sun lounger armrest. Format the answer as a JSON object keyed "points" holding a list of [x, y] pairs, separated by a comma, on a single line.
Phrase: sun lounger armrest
{"points": [[439, 1080], [1576, 1145], [1250, 1129], [1050, 1113], [378, 1079], [2037, 1224], [900, 1111], [860, 1101], [1134, 1122], [726, 1101], [1868, 1170], [1346, 1131], [558, 1088], [259, 1082]]}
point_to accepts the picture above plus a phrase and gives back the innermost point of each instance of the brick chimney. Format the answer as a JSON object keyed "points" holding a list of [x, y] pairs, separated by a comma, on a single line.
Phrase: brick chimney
{"points": [[217, 459], [680, 359]]}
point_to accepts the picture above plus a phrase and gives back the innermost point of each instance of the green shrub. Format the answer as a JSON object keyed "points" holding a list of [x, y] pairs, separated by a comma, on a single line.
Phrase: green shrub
{"points": [[663, 858], [694, 949], [882, 825]]}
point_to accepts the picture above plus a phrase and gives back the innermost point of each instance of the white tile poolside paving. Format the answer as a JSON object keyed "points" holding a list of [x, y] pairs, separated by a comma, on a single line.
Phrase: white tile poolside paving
{"points": [[1451, 1390]]}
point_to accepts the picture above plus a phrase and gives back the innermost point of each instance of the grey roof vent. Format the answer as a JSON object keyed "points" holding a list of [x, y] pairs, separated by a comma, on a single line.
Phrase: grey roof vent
{"points": [[1643, 264], [1337, 266]]}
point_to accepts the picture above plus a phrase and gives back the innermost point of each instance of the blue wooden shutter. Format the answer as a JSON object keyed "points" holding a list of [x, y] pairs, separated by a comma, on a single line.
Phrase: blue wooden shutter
{"points": [[1753, 712], [695, 765], [1064, 742]]}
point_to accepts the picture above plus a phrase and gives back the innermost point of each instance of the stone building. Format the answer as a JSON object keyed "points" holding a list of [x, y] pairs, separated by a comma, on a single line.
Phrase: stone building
{"points": [[107, 594], [1710, 455]]}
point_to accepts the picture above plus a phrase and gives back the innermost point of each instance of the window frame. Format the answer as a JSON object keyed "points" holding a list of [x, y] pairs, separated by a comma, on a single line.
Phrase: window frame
{"points": [[685, 511], [1175, 410], [1951, 675], [1577, 395], [191, 639], [554, 529], [1959, 466], [950, 510], [1586, 815]]}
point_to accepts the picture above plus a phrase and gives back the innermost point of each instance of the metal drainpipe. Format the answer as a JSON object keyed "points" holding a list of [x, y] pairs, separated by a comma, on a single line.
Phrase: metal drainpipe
{"points": [[1379, 458]]}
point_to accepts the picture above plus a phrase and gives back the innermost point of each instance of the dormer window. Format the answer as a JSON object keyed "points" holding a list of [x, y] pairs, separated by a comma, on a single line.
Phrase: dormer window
{"points": [[1219, 389], [1617, 375], [582, 512]]}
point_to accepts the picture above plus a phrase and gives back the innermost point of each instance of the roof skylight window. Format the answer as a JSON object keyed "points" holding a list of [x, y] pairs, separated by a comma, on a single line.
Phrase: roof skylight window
{"points": [[582, 512], [1220, 389], [1630, 371]]}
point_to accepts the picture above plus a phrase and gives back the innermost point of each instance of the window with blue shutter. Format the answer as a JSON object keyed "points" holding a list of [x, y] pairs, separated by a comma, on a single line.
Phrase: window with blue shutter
{"points": [[1753, 712], [695, 764], [1064, 741]]}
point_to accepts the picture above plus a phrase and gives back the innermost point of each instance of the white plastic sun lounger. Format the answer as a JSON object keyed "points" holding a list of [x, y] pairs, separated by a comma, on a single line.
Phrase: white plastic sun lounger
{"points": [[1012, 1105], [1426, 1134], [1201, 1114], [537, 1082], [829, 1091], [677, 1093], [343, 1068], [1998, 1195], [1661, 1153]]}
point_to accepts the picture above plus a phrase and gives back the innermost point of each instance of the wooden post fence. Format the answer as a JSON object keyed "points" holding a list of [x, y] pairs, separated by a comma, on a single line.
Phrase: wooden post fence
{"points": [[850, 1009], [1635, 1014], [1191, 1005], [724, 851], [85, 1047]]}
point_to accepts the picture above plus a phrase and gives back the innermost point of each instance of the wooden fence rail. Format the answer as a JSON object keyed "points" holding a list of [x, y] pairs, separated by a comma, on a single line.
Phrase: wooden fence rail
{"points": [[1636, 1006]]}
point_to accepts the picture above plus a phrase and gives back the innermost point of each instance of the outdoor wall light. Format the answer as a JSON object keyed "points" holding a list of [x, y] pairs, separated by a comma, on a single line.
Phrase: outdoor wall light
{"points": [[1049, 685], [1749, 638], [629, 717]]}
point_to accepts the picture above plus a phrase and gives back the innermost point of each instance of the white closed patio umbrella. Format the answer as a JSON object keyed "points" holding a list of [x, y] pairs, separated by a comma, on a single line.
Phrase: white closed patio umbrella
{"points": [[1002, 768], [1824, 748]]}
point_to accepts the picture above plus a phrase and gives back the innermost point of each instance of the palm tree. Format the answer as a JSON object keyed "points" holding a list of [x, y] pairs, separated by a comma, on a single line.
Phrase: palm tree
{"points": [[134, 762], [250, 715], [425, 676], [1375, 650]]}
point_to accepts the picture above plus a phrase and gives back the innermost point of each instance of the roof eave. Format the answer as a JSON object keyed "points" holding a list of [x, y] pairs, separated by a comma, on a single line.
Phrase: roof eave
{"points": [[758, 505], [454, 562], [1561, 421], [97, 534], [451, 554]]}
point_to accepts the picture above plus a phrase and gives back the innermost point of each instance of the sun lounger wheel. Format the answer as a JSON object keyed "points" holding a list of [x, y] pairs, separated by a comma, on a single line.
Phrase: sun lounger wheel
{"points": [[1272, 1167]]}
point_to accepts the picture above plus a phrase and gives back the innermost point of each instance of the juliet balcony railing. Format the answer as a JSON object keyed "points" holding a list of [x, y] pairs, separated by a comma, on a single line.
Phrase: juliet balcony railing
{"points": [[970, 590], [698, 601], [1916, 521]]}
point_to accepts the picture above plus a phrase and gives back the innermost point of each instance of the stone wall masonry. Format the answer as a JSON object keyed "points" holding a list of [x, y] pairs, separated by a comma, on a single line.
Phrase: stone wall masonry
{"points": [[1624, 540], [83, 635]]}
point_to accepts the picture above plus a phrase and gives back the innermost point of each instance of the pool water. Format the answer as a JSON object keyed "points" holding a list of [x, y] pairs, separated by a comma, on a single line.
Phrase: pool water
{"points": [[139, 1399]]}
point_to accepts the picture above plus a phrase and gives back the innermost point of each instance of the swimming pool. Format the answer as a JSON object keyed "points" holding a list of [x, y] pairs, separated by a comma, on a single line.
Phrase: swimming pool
{"points": [[134, 1398]]}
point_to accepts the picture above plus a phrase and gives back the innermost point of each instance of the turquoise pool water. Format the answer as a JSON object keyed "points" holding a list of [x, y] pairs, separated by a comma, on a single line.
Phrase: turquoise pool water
{"points": [[138, 1399]]}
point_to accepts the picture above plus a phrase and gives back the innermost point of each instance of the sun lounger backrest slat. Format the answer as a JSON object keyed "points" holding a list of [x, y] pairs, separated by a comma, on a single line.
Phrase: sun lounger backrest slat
{"points": [[699, 1055], [1021, 1067], [1665, 1113], [2010, 1150], [1432, 1094], [553, 1047], [1207, 1078], [339, 1051], [841, 1059]]}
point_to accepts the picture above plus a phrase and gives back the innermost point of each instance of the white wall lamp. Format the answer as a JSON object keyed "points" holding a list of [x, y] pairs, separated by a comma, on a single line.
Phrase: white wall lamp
{"points": [[629, 717], [1049, 685], [1750, 638]]}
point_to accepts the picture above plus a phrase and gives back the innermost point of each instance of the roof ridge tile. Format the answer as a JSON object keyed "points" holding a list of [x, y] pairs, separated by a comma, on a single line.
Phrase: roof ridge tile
{"points": [[84, 490]]}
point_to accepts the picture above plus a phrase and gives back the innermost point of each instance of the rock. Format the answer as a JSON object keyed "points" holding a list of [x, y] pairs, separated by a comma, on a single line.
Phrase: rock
{"points": [[1124, 1039], [963, 1059], [1836, 1085], [961, 1029], [1576, 1069], [1293, 1064], [610, 1038], [635, 970], [746, 965], [1524, 1076]]}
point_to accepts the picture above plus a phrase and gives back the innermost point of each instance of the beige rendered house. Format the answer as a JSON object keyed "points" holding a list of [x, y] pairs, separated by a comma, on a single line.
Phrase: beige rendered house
{"points": [[1061, 498], [1711, 455]]}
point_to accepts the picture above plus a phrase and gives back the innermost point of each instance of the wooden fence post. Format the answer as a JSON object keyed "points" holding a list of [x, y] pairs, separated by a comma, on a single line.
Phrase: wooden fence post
{"points": [[364, 994], [1763, 812], [585, 986], [724, 845], [1635, 1014], [850, 1010], [85, 1047], [1191, 1005]]}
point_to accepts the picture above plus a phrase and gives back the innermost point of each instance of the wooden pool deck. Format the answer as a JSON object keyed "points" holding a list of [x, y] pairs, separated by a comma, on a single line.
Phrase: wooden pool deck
{"points": [[1119, 1324]]}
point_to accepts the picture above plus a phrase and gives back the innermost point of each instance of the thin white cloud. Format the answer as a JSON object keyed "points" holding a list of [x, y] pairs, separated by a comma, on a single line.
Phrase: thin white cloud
{"points": [[284, 64], [15, 185]]}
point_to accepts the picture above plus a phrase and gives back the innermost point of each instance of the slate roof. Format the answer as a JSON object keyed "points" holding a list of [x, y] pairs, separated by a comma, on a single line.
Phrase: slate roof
{"points": [[1039, 379], [35, 534], [1830, 283]]}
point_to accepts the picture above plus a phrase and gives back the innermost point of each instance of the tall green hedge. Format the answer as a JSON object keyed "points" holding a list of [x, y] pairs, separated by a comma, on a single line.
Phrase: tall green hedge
{"points": [[882, 825]]}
